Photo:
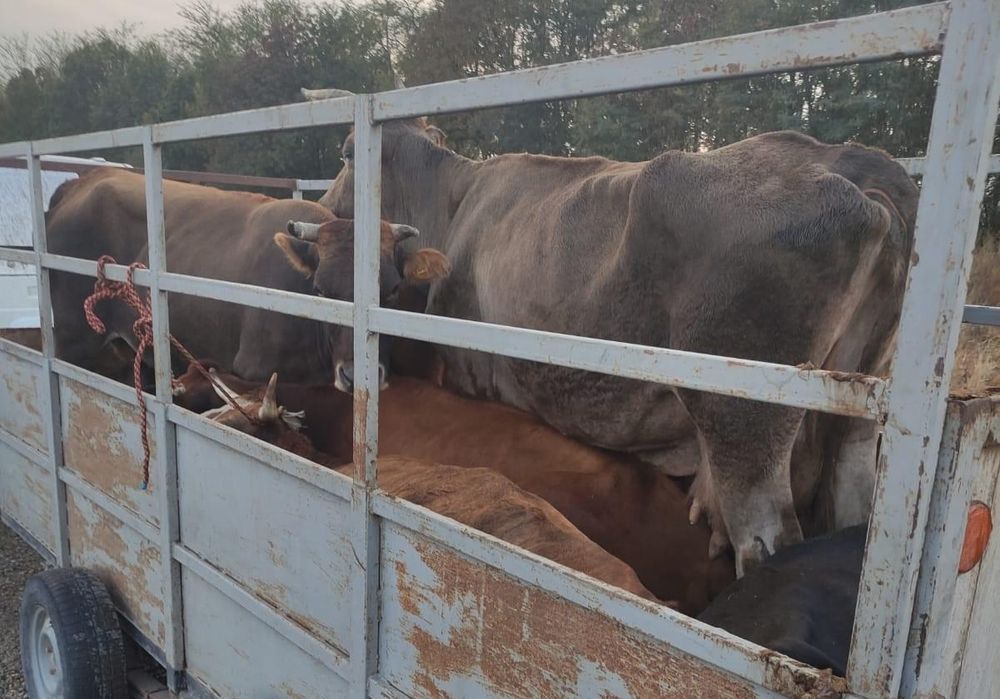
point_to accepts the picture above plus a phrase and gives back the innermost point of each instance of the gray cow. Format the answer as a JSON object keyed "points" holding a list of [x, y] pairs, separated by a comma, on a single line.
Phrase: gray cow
{"points": [[776, 248]]}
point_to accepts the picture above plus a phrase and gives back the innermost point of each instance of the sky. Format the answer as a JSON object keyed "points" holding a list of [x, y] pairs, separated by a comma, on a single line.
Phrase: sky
{"points": [[40, 17]]}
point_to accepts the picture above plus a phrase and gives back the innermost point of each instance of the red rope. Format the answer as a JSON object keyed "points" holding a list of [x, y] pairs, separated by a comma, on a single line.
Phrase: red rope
{"points": [[104, 290]]}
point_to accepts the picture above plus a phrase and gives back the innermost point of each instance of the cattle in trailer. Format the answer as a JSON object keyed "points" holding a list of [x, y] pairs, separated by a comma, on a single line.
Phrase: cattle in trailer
{"points": [[777, 248], [477, 497], [217, 234], [800, 602], [635, 513]]}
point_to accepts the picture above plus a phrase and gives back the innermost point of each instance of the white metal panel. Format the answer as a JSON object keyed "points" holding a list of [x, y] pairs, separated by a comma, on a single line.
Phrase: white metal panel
{"points": [[128, 563], [22, 401], [453, 627], [234, 654], [284, 540], [26, 495], [102, 443]]}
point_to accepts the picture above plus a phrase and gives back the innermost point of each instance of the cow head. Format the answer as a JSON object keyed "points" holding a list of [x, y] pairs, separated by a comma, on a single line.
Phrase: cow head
{"points": [[406, 145], [324, 253], [259, 415]]}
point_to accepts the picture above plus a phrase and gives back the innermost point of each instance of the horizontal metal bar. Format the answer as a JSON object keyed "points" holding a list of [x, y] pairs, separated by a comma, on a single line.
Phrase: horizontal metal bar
{"points": [[329, 656], [103, 384], [97, 140], [21, 352], [724, 650], [832, 392], [907, 32], [226, 178], [288, 116], [302, 305], [33, 454], [88, 268], [313, 185], [315, 475], [79, 485], [915, 166], [30, 539], [25, 257], [981, 315]]}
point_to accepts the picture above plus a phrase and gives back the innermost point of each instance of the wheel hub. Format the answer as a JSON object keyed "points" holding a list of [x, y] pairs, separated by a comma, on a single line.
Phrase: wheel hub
{"points": [[46, 664]]}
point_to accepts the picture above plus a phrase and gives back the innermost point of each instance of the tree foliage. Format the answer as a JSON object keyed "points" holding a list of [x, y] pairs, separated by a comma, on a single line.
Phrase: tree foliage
{"points": [[261, 53]]}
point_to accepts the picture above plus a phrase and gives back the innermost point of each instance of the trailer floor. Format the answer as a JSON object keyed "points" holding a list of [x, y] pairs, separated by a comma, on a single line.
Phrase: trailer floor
{"points": [[17, 563]]}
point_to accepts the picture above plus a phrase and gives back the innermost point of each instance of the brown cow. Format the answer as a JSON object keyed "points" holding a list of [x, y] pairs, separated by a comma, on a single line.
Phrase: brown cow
{"points": [[477, 497], [637, 514], [776, 248], [220, 235]]}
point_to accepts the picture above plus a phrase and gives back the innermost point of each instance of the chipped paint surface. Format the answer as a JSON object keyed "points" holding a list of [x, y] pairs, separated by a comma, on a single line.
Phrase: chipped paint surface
{"points": [[26, 496], [452, 627], [21, 400], [236, 655], [127, 563], [281, 539], [102, 442]]}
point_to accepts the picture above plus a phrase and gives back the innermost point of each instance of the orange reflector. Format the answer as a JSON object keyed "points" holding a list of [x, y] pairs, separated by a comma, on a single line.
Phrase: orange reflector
{"points": [[977, 536]]}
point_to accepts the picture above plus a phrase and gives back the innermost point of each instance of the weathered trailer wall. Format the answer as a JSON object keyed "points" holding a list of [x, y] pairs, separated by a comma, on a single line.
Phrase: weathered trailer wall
{"points": [[25, 479]]}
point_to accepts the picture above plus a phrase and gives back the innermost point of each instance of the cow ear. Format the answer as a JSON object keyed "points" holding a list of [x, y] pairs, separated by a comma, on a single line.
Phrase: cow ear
{"points": [[301, 254], [438, 136], [426, 265]]}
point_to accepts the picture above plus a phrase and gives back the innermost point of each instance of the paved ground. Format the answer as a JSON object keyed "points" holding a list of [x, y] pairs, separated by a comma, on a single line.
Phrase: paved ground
{"points": [[17, 562]]}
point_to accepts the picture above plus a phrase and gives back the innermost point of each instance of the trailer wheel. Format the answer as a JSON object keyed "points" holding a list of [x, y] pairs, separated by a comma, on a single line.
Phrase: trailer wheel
{"points": [[71, 644]]}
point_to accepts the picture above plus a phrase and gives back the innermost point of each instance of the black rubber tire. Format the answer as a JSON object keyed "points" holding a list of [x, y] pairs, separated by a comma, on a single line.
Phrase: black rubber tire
{"points": [[85, 625]]}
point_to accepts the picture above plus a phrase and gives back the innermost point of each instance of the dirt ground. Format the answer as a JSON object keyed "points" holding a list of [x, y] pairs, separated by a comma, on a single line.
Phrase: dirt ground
{"points": [[17, 563]]}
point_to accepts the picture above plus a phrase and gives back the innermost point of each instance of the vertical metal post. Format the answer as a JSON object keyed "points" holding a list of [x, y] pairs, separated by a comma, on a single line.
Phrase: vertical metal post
{"points": [[50, 381], [164, 474], [364, 525], [296, 193], [965, 114]]}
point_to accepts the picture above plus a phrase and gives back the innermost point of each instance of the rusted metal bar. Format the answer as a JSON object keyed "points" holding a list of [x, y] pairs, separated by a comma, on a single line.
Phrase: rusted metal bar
{"points": [[51, 408], [961, 136], [165, 473], [364, 524], [912, 31]]}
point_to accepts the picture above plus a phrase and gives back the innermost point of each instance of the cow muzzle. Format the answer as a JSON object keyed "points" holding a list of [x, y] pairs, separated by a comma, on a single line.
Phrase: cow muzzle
{"points": [[344, 377]]}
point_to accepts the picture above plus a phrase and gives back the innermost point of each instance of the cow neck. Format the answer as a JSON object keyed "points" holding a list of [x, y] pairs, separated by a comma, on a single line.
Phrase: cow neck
{"points": [[429, 201]]}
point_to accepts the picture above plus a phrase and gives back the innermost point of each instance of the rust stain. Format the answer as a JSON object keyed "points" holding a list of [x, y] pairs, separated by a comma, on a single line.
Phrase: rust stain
{"points": [[128, 569], [410, 597], [522, 641], [274, 594], [98, 447], [291, 693]]}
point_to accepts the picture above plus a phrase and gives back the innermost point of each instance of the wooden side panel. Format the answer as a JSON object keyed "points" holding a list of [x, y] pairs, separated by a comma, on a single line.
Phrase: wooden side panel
{"points": [[980, 662], [128, 563], [102, 442], [451, 627], [21, 400], [282, 539], [235, 655], [26, 495]]}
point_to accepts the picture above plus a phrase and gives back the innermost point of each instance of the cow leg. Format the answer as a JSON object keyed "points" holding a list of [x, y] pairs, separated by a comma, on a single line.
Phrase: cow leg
{"points": [[853, 480], [747, 449]]}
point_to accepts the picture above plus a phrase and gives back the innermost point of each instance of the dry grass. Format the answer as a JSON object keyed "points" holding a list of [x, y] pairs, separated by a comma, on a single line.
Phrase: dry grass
{"points": [[977, 364]]}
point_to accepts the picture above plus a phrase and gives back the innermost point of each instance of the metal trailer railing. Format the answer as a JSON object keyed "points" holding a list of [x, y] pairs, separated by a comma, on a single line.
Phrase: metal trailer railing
{"points": [[911, 403]]}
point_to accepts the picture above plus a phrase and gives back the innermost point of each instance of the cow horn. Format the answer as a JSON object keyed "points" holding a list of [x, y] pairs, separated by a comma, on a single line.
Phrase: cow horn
{"points": [[304, 230], [325, 94], [401, 231], [269, 405], [227, 394]]}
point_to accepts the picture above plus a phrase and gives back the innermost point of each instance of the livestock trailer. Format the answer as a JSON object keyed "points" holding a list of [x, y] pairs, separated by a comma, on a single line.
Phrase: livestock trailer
{"points": [[246, 571]]}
